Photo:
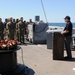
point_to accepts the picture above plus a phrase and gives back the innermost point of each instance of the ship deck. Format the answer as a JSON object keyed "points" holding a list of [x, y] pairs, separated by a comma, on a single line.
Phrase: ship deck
{"points": [[40, 61]]}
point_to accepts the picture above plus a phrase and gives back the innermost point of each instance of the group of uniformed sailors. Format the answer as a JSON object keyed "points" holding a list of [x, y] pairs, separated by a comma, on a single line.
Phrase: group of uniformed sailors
{"points": [[12, 29]]}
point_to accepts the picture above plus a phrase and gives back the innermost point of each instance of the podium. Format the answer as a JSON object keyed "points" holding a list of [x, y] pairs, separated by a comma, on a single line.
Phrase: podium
{"points": [[8, 63], [58, 46]]}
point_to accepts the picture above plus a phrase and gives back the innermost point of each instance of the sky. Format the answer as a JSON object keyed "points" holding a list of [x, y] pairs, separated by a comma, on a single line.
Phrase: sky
{"points": [[55, 10]]}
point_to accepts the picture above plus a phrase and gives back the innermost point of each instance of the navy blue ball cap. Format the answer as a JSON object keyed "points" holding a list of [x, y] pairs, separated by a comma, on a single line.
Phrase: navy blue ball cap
{"points": [[67, 17]]}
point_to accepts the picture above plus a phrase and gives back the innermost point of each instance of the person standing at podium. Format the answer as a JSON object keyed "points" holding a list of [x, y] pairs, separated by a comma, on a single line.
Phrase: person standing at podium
{"points": [[68, 36]]}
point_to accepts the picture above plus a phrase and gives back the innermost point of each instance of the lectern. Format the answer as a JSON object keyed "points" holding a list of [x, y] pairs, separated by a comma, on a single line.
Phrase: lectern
{"points": [[58, 46]]}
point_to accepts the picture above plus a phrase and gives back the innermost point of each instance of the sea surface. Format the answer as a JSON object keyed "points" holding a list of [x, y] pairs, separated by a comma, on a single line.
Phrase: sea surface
{"points": [[60, 24]]}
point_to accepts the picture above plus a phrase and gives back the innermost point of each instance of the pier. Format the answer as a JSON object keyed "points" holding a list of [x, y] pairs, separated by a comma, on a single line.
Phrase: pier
{"points": [[40, 61]]}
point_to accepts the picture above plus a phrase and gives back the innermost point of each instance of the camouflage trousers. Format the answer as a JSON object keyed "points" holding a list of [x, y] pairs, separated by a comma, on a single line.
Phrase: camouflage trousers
{"points": [[22, 40], [11, 35], [1, 36]]}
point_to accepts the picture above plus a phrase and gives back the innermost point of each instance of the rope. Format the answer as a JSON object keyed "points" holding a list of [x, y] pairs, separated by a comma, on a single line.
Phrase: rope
{"points": [[26, 68], [44, 11], [22, 56]]}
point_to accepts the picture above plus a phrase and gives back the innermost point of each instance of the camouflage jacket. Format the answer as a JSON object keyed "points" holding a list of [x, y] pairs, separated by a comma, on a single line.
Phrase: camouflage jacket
{"points": [[10, 27], [20, 27]]}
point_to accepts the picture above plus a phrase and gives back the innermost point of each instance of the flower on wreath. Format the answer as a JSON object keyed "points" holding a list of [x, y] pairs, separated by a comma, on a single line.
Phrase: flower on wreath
{"points": [[8, 43]]}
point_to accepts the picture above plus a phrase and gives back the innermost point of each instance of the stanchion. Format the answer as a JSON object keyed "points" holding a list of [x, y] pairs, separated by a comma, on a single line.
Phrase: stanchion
{"points": [[9, 65]]}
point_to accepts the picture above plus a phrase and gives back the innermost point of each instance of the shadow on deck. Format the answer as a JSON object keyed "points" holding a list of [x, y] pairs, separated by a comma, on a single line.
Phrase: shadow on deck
{"points": [[70, 60], [20, 70]]}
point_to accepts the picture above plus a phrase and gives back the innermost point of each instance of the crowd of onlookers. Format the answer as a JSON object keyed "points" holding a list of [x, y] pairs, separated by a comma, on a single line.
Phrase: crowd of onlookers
{"points": [[14, 29]]}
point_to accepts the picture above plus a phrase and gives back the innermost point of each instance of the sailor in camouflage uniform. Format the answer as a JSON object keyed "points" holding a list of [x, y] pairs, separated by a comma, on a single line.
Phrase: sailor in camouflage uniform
{"points": [[18, 30], [1, 30], [10, 29], [22, 31]]}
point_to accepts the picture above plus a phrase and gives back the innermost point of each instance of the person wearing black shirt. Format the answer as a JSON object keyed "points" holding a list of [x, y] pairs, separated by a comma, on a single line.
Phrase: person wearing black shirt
{"points": [[6, 20], [1, 30], [68, 36]]}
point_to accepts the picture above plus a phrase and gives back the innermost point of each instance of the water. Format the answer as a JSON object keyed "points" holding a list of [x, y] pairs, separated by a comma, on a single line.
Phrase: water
{"points": [[60, 24]]}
